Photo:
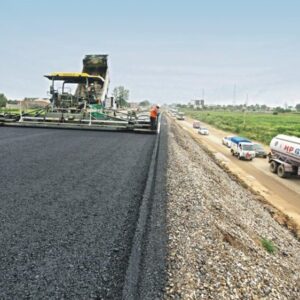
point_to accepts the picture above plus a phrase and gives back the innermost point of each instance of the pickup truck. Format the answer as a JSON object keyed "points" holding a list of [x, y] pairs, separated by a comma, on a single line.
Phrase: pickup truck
{"points": [[242, 148]]}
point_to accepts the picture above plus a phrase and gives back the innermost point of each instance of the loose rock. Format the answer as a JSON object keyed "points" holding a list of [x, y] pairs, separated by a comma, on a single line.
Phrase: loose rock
{"points": [[215, 227]]}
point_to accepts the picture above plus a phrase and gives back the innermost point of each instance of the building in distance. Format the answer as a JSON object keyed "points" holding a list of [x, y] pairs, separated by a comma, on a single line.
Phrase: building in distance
{"points": [[198, 103]]}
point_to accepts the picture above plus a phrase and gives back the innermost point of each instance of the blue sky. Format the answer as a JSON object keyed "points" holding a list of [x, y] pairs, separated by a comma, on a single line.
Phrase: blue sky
{"points": [[164, 51]]}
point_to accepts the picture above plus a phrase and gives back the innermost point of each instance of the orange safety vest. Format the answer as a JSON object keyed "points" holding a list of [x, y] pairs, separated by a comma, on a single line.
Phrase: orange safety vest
{"points": [[153, 112]]}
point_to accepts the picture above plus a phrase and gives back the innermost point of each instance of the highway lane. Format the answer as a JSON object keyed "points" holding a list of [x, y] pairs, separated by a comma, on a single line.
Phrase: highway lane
{"points": [[69, 203], [282, 193]]}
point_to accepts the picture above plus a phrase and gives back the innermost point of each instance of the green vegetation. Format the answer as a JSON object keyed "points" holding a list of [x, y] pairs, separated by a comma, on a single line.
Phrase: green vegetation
{"points": [[257, 126], [268, 245], [9, 110], [145, 103], [16, 111], [121, 96], [3, 100]]}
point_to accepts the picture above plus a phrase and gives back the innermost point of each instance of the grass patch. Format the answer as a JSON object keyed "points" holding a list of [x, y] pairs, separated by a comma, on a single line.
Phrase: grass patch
{"points": [[253, 125], [17, 111], [268, 245], [9, 110]]}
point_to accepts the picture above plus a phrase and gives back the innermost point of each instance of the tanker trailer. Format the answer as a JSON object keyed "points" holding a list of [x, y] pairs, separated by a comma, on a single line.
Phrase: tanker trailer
{"points": [[284, 158]]}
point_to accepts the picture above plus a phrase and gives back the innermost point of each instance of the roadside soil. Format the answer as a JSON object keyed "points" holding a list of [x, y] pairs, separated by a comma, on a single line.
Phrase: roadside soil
{"points": [[216, 228], [284, 194]]}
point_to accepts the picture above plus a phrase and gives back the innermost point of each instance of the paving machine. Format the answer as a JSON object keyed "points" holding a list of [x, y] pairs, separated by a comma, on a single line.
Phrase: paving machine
{"points": [[77, 101]]}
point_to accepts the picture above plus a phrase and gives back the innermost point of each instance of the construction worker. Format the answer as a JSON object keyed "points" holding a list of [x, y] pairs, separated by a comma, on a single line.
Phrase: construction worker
{"points": [[153, 116]]}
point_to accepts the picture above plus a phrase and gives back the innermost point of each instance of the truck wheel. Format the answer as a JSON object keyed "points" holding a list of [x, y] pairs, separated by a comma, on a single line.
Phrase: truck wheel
{"points": [[281, 172], [273, 166], [239, 157]]}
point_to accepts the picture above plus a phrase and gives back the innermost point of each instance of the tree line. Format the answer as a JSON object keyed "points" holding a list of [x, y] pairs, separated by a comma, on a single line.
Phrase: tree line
{"points": [[241, 107]]}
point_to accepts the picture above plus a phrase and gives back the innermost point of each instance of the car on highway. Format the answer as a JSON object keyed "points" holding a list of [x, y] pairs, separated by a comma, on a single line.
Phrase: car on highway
{"points": [[226, 140], [259, 150], [203, 131], [180, 116], [196, 124]]}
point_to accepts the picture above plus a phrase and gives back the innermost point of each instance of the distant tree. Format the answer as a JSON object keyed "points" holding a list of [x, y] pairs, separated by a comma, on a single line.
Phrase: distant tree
{"points": [[298, 107], [145, 103], [263, 107], [12, 102], [279, 109], [3, 100], [252, 107], [121, 96]]}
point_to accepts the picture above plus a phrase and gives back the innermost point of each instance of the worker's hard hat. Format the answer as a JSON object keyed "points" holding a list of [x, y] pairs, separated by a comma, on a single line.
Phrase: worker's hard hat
{"points": [[157, 105]]}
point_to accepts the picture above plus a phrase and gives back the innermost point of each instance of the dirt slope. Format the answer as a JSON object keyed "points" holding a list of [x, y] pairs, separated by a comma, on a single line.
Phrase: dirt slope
{"points": [[216, 228]]}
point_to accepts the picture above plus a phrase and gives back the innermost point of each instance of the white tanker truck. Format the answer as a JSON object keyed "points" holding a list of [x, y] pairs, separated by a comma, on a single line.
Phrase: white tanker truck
{"points": [[284, 158]]}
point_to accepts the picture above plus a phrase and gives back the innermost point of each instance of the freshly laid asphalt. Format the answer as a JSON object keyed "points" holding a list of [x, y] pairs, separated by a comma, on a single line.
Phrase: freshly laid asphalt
{"points": [[69, 203]]}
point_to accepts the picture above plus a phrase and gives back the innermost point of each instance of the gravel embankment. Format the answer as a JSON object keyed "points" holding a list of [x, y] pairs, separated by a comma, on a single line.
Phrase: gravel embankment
{"points": [[69, 203], [215, 229]]}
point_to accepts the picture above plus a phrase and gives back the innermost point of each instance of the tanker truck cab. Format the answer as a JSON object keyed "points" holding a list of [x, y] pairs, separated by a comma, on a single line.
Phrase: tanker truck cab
{"points": [[242, 148]]}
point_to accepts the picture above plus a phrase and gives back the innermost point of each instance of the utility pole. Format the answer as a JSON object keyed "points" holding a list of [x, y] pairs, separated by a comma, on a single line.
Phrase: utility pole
{"points": [[245, 108], [234, 95]]}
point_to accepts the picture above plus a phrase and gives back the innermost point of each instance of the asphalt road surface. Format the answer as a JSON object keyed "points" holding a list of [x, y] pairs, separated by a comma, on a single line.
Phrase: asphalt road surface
{"points": [[69, 203]]}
